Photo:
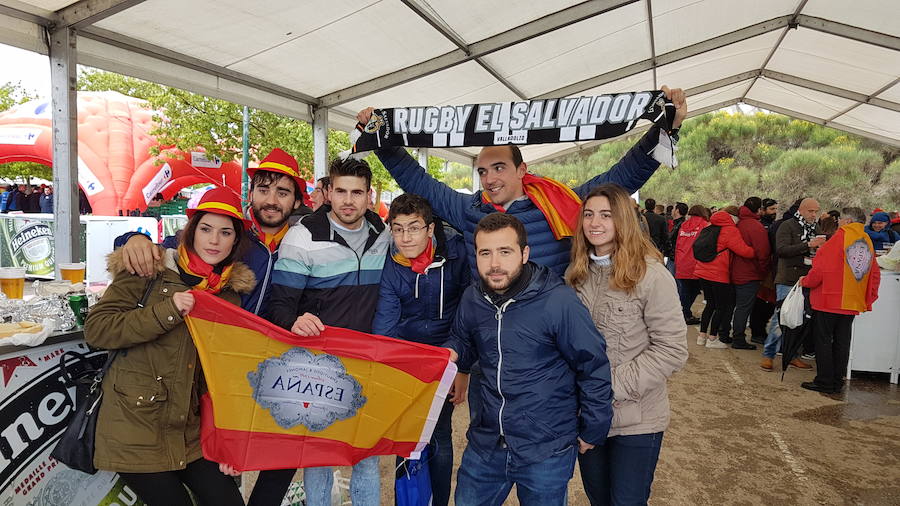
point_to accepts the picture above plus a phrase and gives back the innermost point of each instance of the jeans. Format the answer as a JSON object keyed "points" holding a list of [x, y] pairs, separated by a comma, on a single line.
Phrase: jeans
{"points": [[671, 266], [773, 340], [688, 290], [719, 308], [486, 479], [744, 298], [832, 334], [620, 471], [365, 484], [440, 462]]}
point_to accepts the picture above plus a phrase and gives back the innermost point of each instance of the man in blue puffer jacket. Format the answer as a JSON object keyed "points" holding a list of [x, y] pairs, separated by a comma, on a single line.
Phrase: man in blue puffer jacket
{"points": [[501, 169], [549, 394], [420, 289]]}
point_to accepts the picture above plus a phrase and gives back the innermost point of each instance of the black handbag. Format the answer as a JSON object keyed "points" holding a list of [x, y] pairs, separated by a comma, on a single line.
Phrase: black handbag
{"points": [[76, 445]]}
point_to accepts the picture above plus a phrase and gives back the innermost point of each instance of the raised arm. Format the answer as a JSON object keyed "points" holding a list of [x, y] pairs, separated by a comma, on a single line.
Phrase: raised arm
{"points": [[642, 160], [447, 203]]}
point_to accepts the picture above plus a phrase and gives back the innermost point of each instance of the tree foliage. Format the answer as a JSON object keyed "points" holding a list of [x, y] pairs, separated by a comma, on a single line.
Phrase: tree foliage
{"points": [[725, 158]]}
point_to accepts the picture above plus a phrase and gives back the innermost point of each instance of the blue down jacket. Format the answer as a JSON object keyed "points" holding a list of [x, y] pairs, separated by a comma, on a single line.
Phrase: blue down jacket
{"points": [[546, 374], [421, 307], [464, 211]]}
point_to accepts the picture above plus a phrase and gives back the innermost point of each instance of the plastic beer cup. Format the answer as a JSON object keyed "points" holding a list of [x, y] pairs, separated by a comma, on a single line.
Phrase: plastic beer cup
{"points": [[72, 272], [12, 282]]}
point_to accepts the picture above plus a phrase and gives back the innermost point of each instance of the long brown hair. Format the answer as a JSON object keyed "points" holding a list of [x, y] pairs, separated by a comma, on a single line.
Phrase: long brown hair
{"points": [[632, 245], [237, 249]]}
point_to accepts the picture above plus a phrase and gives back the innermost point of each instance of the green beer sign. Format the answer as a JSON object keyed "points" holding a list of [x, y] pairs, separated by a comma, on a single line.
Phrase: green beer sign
{"points": [[29, 244]]}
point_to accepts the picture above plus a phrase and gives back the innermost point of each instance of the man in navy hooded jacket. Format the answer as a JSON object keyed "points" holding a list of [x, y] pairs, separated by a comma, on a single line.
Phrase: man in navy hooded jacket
{"points": [[547, 391], [421, 284]]}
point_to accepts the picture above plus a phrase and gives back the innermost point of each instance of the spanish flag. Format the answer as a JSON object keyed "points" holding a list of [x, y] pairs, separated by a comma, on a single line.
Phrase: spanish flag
{"points": [[277, 400]]}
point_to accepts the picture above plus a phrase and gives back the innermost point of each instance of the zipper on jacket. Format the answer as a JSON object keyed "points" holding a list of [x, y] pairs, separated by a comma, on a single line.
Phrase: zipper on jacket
{"points": [[499, 317], [262, 292]]}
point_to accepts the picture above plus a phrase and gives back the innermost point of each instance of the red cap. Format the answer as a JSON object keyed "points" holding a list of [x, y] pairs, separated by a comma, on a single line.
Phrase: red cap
{"points": [[221, 200], [281, 162]]}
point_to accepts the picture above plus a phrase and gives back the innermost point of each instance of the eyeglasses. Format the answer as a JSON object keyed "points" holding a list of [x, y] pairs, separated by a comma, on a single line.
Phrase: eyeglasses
{"points": [[412, 230]]}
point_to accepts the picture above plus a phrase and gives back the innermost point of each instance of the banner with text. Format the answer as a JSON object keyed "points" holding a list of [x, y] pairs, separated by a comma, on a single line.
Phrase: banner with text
{"points": [[35, 407], [526, 122]]}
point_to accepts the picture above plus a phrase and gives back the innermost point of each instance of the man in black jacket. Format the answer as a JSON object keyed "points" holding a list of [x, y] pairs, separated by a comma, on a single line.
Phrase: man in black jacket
{"points": [[657, 225]]}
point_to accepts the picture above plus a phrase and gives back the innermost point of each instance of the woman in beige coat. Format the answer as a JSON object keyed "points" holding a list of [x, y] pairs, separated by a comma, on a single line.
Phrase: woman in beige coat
{"points": [[148, 427], [620, 277]]}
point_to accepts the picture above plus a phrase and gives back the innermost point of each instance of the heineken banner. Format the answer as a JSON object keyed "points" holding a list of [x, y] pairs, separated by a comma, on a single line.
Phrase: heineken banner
{"points": [[35, 406], [281, 401], [28, 242], [526, 122]]}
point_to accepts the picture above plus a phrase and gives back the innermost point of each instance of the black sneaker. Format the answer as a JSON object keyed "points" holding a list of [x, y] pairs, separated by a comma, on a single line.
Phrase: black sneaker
{"points": [[740, 344], [758, 339], [808, 356], [726, 339], [693, 320], [815, 387]]}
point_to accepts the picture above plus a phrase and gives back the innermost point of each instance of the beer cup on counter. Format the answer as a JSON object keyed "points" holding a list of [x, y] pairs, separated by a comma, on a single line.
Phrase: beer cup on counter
{"points": [[12, 282], [72, 272]]}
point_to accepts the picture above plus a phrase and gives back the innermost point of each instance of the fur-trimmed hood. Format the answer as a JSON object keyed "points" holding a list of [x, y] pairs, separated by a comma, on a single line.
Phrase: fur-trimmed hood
{"points": [[242, 278]]}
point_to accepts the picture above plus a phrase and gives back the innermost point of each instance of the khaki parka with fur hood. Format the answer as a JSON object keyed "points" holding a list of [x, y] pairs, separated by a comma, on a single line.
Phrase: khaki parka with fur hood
{"points": [[149, 419]]}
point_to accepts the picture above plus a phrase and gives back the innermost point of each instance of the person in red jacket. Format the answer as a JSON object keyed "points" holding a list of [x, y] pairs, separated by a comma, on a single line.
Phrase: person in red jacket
{"points": [[746, 273], [843, 282], [715, 280], [688, 284]]}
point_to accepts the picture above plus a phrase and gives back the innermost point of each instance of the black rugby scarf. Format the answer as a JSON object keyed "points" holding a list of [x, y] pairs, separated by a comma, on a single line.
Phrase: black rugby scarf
{"points": [[527, 122]]}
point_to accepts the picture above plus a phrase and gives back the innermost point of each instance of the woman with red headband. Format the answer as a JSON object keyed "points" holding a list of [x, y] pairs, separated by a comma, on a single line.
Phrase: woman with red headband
{"points": [[148, 427]]}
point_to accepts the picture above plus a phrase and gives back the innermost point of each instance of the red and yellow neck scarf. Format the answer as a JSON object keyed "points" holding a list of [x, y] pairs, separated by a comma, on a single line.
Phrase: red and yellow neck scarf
{"points": [[421, 262], [557, 201], [209, 280], [272, 241]]}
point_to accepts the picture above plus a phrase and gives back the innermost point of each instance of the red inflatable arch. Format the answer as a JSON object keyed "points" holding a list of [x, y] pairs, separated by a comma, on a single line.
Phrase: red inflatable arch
{"points": [[115, 167]]}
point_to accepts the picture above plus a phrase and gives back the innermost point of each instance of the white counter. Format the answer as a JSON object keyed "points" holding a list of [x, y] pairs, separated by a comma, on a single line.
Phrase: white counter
{"points": [[876, 335]]}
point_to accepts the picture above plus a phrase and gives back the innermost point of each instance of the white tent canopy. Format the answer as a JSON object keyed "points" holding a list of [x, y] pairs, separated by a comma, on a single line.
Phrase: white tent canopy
{"points": [[832, 62]]}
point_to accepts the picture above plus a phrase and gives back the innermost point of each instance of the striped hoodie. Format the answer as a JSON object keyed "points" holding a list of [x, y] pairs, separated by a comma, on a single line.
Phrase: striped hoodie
{"points": [[318, 273]]}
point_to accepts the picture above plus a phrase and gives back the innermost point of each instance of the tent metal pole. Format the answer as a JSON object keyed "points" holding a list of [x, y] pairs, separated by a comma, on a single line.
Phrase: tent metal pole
{"points": [[245, 160], [320, 142], [67, 237]]}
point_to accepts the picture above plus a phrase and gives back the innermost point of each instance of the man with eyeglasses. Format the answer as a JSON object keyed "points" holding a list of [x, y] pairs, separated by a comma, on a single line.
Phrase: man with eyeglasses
{"points": [[421, 285]]}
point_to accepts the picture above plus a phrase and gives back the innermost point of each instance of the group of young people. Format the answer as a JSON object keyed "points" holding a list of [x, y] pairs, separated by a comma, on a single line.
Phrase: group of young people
{"points": [[565, 328]]}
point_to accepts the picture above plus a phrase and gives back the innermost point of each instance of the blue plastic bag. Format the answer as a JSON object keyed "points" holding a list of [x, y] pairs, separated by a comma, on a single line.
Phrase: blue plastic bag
{"points": [[413, 485]]}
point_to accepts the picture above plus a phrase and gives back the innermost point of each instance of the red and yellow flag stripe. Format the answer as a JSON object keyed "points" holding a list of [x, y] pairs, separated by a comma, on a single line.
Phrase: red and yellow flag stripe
{"points": [[404, 383]]}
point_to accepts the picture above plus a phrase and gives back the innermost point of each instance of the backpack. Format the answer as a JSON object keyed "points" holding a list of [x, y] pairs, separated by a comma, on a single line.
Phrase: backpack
{"points": [[705, 247]]}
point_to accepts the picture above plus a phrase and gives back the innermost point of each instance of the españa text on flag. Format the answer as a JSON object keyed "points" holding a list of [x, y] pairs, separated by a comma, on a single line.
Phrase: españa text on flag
{"points": [[277, 400]]}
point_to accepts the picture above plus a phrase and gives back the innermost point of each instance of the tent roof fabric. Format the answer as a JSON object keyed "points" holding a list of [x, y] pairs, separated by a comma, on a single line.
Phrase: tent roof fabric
{"points": [[834, 63]]}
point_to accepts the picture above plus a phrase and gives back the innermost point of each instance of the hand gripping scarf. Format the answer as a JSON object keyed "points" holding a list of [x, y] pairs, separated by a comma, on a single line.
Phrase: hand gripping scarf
{"points": [[557, 201], [199, 275]]}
